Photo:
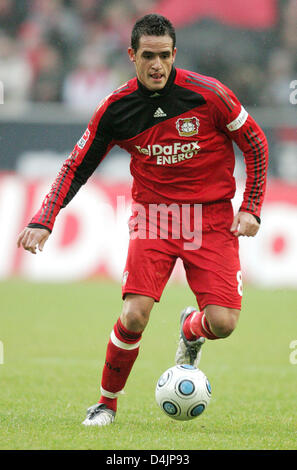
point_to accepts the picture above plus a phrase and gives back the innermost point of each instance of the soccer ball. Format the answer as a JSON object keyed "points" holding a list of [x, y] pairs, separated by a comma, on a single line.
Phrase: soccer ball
{"points": [[183, 392]]}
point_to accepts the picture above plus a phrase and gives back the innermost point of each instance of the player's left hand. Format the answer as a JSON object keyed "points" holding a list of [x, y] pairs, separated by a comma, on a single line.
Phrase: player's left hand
{"points": [[244, 224]]}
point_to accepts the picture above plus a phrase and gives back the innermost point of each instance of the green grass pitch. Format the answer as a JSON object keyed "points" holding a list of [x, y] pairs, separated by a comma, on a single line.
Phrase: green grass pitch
{"points": [[54, 338]]}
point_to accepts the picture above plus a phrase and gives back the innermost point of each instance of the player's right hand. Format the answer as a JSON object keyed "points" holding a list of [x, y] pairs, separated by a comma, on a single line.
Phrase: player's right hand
{"points": [[32, 238]]}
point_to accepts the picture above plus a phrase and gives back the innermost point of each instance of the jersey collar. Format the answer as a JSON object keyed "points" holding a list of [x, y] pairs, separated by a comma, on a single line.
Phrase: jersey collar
{"points": [[155, 94]]}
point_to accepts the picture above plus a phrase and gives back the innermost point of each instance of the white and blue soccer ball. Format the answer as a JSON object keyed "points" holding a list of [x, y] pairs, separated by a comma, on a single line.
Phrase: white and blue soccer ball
{"points": [[183, 392]]}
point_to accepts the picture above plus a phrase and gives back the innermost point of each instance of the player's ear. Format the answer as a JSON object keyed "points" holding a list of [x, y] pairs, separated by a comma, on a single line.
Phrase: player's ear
{"points": [[131, 54], [174, 53]]}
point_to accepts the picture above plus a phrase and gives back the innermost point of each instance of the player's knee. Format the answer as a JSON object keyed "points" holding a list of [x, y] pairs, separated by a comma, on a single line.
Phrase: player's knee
{"points": [[135, 314], [134, 320]]}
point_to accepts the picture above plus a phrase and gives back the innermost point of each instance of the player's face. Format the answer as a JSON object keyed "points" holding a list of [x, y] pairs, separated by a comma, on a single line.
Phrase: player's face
{"points": [[153, 60]]}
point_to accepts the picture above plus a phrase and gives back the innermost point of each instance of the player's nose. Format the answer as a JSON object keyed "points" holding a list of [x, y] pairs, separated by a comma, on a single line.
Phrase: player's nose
{"points": [[157, 63]]}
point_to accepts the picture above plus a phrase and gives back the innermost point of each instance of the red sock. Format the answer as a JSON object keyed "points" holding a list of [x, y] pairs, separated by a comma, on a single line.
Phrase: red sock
{"points": [[196, 325], [122, 351]]}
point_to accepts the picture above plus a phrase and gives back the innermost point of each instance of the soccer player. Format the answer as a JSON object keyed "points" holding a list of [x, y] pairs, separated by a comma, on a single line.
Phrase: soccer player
{"points": [[178, 127]]}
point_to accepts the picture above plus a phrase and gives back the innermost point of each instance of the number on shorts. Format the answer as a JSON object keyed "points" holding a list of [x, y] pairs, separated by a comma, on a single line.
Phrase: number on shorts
{"points": [[239, 283]]}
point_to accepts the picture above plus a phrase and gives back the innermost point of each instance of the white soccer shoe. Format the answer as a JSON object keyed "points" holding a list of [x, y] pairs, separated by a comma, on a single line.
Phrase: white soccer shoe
{"points": [[99, 415], [188, 352]]}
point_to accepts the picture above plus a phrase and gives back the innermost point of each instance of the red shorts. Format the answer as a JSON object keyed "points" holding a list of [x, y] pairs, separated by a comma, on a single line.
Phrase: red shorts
{"points": [[212, 267]]}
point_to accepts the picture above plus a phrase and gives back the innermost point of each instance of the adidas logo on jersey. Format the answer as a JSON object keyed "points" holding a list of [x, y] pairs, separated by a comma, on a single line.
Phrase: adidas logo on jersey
{"points": [[159, 113]]}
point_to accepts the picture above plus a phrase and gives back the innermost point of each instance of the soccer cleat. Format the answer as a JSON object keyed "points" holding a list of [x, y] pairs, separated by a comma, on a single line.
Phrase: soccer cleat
{"points": [[99, 415], [188, 352]]}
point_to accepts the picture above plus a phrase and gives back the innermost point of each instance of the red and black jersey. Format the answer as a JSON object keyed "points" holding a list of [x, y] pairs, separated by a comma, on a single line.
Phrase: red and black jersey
{"points": [[180, 141]]}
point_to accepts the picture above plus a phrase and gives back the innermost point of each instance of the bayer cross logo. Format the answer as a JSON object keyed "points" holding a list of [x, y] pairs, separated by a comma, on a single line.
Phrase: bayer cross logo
{"points": [[187, 126]]}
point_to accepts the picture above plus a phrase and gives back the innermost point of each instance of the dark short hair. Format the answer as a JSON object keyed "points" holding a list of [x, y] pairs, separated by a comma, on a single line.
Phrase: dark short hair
{"points": [[151, 25]]}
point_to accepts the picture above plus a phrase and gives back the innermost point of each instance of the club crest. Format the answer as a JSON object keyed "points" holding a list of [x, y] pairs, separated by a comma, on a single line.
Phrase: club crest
{"points": [[187, 126]]}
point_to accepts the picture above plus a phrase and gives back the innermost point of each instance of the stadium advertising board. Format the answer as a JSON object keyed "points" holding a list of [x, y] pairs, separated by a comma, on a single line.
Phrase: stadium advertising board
{"points": [[90, 237]]}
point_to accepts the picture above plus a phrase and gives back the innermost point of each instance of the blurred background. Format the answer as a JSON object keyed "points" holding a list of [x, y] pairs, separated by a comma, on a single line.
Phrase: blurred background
{"points": [[59, 58]]}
